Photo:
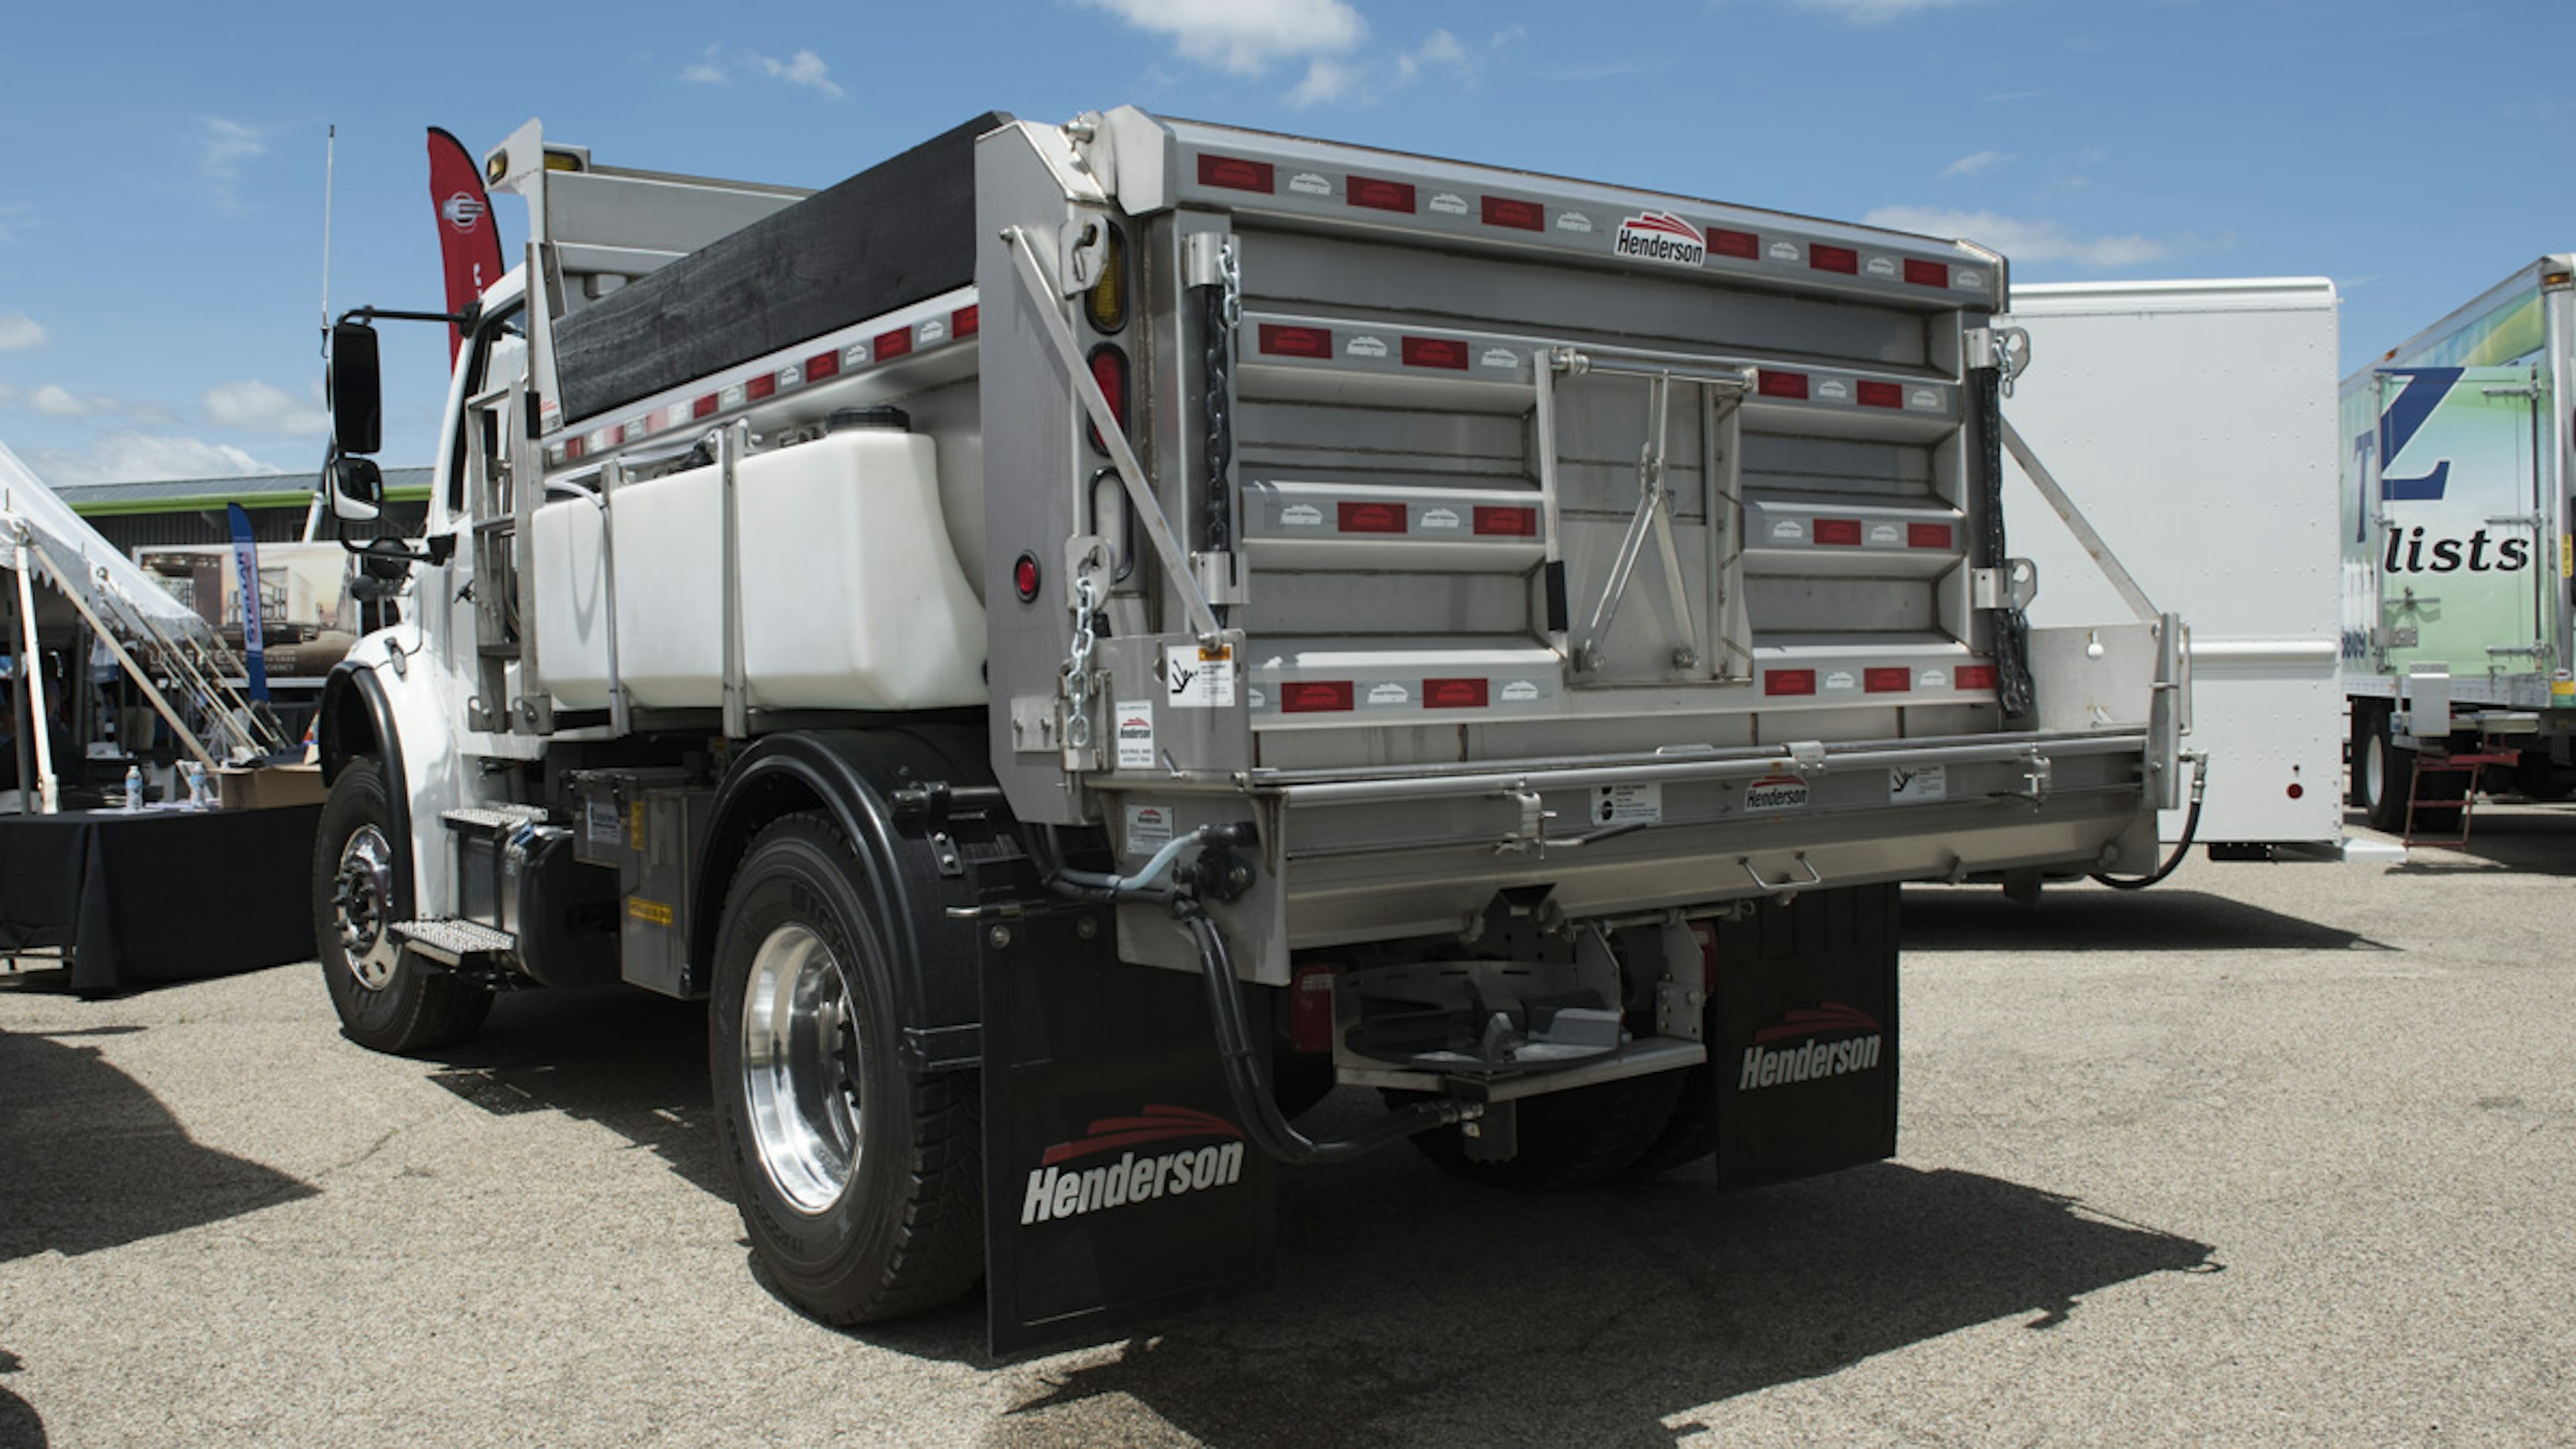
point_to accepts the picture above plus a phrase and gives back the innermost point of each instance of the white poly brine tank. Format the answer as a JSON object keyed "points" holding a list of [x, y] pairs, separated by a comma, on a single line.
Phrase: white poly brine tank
{"points": [[851, 596]]}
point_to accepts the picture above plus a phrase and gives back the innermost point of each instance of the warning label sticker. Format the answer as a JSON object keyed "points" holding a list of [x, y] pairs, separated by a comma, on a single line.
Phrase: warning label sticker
{"points": [[1907, 787], [1628, 805], [1776, 792], [1198, 676], [1135, 734], [1149, 829]]}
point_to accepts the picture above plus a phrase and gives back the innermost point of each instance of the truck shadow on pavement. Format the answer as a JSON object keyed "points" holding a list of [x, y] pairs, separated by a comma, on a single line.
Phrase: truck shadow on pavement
{"points": [[2088, 917], [2523, 839], [630, 1061], [90, 1159], [1417, 1309]]}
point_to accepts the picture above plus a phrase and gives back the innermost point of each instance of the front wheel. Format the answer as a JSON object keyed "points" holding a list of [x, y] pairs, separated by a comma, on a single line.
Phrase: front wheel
{"points": [[859, 1180], [387, 998], [2386, 771]]}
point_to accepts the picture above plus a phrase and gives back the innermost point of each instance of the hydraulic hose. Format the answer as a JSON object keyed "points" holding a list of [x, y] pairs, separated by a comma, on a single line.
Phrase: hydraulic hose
{"points": [[1250, 1085], [2190, 829]]}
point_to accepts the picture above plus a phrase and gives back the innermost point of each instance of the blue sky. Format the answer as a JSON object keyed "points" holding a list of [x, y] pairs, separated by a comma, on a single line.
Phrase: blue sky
{"points": [[161, 166]]}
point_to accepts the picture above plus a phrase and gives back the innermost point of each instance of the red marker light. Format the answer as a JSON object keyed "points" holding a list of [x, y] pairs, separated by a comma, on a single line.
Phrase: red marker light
{"points": [[822, 365], [1783, 384], [1788, 681], [1881, 395], [1508, 522], [1522, 215], [1024, 578], [2297, 790], [1445, 352], [1314, 696], [1454, 693], [1381, 195], [1927, 274], [891, 344], [1843, 531], [765, 385], [1235, 173], [1372, 517], [1735, 244], [1973, 676], [965, 321], [1296, 341], [704, 407], [1823, 258], [1927, 535], [1109, 369], [1887, 681]]}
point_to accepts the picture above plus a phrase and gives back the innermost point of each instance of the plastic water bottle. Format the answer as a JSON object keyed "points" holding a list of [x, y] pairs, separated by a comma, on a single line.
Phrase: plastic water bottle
{"points": [[133, 788]]}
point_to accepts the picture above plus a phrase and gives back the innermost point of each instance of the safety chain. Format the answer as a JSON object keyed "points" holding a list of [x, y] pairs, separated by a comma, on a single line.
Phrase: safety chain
{"points": [[1224, 307], [1077, 670]]}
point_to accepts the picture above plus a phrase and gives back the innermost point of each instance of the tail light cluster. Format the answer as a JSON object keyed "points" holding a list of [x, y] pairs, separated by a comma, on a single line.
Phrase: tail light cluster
{"points": [[1105, 307]]}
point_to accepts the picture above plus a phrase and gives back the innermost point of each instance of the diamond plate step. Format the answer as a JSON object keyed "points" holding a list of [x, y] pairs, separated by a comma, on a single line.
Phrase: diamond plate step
{"points": [[492, 817], [455, 942]]}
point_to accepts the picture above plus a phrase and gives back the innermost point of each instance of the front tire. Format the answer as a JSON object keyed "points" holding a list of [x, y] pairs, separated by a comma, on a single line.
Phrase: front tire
{"points": [[859, 1180], [2386, 771], [387, 998]]}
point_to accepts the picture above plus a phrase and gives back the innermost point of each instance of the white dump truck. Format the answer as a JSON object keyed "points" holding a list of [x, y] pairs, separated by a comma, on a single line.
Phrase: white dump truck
{"points": [[2459, 547], [1081, 638]]}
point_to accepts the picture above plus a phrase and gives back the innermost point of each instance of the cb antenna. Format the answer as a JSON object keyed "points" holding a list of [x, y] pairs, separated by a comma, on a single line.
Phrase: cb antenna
{"points": [[330, 145]]}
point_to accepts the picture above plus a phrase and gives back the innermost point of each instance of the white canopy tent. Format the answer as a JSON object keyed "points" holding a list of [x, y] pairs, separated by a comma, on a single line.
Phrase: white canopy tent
{"points": [[40, 536]]}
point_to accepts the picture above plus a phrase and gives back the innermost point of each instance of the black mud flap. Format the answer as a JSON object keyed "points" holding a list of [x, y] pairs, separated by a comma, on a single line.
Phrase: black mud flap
{"points": [[1119, 1185], [1802, 1034]]}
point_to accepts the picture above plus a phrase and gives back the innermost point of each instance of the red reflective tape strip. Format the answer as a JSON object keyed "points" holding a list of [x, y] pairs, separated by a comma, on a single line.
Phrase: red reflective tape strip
{"points": [[1236, 174], [1314, 696], [1296, 341], [1371, 517], [1454, 693], [1788, 681], [1445, 352]]}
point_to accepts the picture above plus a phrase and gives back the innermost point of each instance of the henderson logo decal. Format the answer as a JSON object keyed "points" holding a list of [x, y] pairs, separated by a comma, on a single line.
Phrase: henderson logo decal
{"points": [[1057, 1191], [1660, 236], [1770, 1066], [462, 211]]}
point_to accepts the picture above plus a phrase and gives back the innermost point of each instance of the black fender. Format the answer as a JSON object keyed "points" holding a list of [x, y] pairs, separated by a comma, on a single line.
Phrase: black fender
{"points": [[355, 719], [906, 876]]}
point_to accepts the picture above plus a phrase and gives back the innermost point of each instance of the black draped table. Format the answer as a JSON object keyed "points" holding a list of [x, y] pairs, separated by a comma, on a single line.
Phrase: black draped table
{"points": [[159, 895]]}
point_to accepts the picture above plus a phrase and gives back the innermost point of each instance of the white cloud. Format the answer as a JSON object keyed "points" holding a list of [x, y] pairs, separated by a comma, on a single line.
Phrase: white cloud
{"points": [[56, 401], [144, 457], [257, 407], [2025, 240], [1440, 48], [225, 147], [19, 332], [1244, 37], [1870, 12], [1326, 80], [1970, 165], [804, 68]]}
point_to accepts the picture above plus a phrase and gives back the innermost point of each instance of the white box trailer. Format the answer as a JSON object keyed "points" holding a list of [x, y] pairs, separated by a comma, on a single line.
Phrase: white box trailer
{"points": [[2193, 423], [2459, 547], [1079, 638]]}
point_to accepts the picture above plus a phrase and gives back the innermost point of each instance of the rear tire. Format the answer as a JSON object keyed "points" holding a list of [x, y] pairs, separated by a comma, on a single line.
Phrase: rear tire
{"points": [[1567, 1139], [860, 1181], [387, 998], [2386, 772]]}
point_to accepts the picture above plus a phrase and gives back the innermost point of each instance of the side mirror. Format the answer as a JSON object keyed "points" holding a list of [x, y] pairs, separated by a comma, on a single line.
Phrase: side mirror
{"points": [[357, 489], [357, 390]]}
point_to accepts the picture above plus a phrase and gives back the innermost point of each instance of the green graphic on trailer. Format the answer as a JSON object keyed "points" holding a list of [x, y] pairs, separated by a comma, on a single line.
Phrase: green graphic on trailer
{"points": [[2458, 553]]}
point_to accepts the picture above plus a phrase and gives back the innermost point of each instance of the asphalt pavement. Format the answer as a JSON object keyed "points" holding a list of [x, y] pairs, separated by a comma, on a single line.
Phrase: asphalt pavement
{"points": [[2268, 1154]]}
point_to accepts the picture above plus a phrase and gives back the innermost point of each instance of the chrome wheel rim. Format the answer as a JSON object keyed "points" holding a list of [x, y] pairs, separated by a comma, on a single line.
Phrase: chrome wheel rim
{"points": [[802, 1066], [362, 899]]}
